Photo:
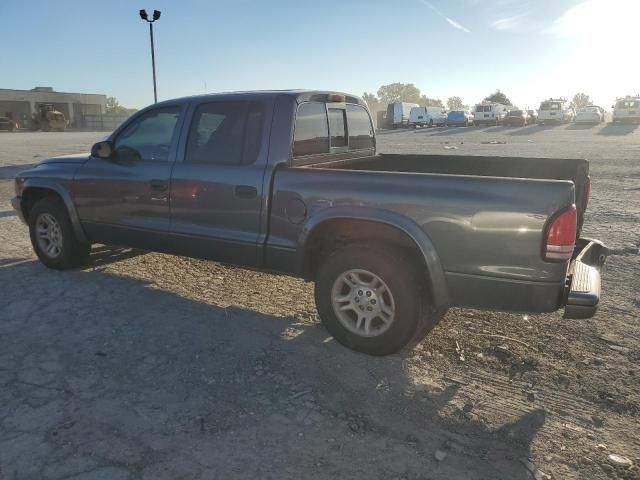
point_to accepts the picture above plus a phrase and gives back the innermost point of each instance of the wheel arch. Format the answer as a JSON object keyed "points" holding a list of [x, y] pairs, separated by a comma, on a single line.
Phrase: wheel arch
{"points": [[36, 189], [336, 227]]}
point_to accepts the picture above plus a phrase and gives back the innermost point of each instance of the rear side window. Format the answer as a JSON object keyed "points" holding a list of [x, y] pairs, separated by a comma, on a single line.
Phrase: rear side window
{"points": [[311, 130], [337, 127], [360, 128], [225, 133]]}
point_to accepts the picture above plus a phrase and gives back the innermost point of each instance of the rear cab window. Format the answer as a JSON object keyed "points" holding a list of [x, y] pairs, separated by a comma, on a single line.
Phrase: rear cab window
{"points": [[333, 128], [311, 130], [361, 134]]}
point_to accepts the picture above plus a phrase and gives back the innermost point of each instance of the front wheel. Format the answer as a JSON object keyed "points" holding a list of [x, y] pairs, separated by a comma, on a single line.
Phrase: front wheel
{"points": [[52, 236], [373, 299]]}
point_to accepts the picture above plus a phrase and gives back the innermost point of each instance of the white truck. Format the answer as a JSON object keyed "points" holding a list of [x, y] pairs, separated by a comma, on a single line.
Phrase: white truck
{"points": [[555, 110], [489, 112], [427, 116], [627, 109], [398, 113]]}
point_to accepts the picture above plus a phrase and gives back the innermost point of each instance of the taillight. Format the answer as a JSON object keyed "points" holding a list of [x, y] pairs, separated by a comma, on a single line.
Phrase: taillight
{"points": [[560, 235], [587, 194]]}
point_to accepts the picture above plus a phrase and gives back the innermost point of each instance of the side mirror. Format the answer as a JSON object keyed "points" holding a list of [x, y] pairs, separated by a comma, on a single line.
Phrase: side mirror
{"points": [[102, 150]]}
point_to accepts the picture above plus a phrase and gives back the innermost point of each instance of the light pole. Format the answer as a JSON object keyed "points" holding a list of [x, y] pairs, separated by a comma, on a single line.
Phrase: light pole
{"points": [[156, 16]]}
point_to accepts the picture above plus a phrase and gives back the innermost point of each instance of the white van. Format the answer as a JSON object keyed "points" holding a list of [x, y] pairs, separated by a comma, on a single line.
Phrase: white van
{"points": [[429, 116], [627, 109], [489, 112], [555, 110], [398, 113]]}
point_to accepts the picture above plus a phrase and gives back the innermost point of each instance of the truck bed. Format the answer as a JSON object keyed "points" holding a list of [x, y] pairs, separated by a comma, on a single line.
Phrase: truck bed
{"points": [[575, 170]]}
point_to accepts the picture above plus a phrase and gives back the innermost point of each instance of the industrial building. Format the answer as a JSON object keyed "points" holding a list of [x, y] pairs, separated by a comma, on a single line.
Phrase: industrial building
{"points": [[75, 106]]}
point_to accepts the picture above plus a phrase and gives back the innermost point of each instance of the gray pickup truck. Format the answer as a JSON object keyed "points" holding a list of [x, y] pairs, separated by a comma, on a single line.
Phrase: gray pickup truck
{"points": [[289, 182]]}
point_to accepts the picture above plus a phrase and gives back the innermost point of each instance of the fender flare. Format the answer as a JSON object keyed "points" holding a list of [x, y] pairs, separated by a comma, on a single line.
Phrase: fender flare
{"points": [[400, 222], [46, 184]]}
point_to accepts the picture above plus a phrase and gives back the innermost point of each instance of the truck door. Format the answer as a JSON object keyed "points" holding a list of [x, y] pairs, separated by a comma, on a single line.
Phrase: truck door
{"points": [[216, 182], [125, 200]]}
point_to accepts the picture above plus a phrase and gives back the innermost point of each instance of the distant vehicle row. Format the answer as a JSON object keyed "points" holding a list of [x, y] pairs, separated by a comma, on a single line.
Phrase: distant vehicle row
{"points": [[553, 110]]}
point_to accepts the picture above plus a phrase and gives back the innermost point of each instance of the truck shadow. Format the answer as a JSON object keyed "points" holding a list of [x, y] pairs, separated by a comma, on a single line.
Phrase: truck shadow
{"points": [[615, 129], [149, 379]]}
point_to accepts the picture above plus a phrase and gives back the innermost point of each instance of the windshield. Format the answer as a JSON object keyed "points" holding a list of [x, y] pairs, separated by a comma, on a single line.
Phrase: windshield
{"points": [[635, 103], [551, 106], [483, 108], [515, 113], [588, 110]]}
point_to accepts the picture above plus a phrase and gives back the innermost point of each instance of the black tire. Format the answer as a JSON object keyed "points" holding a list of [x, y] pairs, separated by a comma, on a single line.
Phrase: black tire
{"points": [[431, 123], [73, 252], [413, 318]]}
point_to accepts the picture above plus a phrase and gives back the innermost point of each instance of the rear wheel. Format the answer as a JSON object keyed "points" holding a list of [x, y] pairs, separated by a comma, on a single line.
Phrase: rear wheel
{"points": [[372, 299], [52, 235]]}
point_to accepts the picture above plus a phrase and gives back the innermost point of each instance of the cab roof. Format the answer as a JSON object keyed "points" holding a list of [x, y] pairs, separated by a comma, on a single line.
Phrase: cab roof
{"points": [[299, 95]]}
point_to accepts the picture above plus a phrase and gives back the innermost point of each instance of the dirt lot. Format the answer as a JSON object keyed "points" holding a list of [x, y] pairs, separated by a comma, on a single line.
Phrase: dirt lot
{"points": [[148, 366]]}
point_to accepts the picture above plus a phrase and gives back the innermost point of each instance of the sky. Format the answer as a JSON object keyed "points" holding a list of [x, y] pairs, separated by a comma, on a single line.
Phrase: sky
{"points": [[530, 49]]}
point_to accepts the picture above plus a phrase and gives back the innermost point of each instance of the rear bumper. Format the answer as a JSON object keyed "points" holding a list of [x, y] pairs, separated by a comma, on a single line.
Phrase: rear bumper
{"points": [[578, 293], [583, 279], [16, 203]]}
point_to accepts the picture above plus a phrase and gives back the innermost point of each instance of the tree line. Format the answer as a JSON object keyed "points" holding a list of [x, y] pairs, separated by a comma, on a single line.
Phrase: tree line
{"points": [[408, 92]]}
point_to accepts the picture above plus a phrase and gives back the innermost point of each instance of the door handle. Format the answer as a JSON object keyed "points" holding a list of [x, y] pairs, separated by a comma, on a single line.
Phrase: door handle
{"points": [[159, 185], [246, 191]]}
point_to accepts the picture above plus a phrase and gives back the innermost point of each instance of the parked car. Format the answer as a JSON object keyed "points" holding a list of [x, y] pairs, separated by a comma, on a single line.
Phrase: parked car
{"points": [[427, 116], [518, 118], [555, 111], [398, 114], [289, 181], [533, 116], [459, 118], [489, 112], [589, 114], [626, 109]]}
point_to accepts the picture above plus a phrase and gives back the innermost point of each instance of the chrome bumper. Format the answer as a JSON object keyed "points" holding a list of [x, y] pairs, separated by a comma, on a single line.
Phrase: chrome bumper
{"points": [[583, 279]]}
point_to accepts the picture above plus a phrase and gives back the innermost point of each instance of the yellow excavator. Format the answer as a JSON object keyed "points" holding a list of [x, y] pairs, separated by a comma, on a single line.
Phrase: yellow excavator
{"points": [[48, 119]]}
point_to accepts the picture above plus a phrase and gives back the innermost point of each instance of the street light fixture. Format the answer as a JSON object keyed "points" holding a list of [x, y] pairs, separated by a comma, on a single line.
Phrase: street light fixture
{"points": [[144, 16]]}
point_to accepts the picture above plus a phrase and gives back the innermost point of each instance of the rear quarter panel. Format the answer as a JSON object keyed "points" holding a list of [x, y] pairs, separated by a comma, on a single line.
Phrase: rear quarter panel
{"points": [[484, 226]]}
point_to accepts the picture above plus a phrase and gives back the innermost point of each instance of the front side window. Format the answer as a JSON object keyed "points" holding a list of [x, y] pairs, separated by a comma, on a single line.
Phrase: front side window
{"points": [[225, 133], [150, 135], [360, 128], [311, 130]]}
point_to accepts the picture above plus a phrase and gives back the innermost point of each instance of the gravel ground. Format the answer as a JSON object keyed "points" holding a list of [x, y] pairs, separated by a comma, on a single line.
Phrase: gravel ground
{"points": [[149, 366]]}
